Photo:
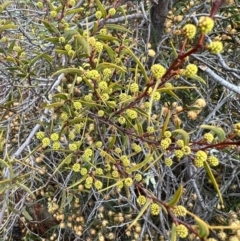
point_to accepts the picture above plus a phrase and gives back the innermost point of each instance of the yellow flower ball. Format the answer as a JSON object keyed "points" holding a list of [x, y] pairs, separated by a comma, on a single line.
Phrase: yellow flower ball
{"points": [[201, 155], [98, 14], [191, 69], [189, 30], [158, 70], [76, 167], [179, 211], [155, 209], [141, 200], [168, 162], [215, 47], [213, 161], [112, 11], [181, 231], [205, 24]]}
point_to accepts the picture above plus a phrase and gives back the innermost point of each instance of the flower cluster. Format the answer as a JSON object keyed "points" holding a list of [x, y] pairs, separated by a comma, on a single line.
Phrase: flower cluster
{"points": [[134, 87], [215, 47], [141, 200], [93, 74], [179, 211], [236, 128], [158, 71], [213, 161], [132, 114], [77, 105], [112, 11], [40, 135], [88, 182], [208, 137], [45, 142], [125, 161], [98, 184], [72, 147], [179, 154], [205, 24], [138, 177], [165, 143], [168, 162], [181, 231], [200, 158], [189, 30], [128, 181], [54, 137], [191, 69], [156, 96], [155, 209], [137, 148], [98, 14], [76, 167]]}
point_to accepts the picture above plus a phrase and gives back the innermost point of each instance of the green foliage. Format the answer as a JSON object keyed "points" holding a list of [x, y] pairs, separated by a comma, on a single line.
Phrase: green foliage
{"points": [[99, 135]]}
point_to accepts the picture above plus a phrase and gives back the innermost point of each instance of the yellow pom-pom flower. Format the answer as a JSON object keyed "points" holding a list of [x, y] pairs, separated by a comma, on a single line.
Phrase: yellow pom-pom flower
{"points": [[64, 116], [134, 87], [132, 114], [115, 174], [181, 231], [99, 171], [53, 14], [191, 69], [40, 135], [201, 155], [77, 105], [168, 162], [167, 134], [100, 113], [121, 120], [125, 161], [72, 147], [138, 177], [155, 209], [98, 47], [208, 137], [56, 145], [68, 47], [150, 129], [45, 142], [179, 211], [103, 85], [112, 11], [83, 171], [180, 143], [158, 70], [98, 184], [156, 96], [164, 144], [98, 14], [98, 144], [179, 153], [62, 40], [128, 181], [213, 161], [76, 167], [215, 47], [189, 30], [205, 24], [141, 200], [186, 150]]}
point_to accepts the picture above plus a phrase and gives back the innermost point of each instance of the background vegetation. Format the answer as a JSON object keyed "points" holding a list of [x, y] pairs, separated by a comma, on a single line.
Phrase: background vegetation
{"points": [[111, 130]]}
